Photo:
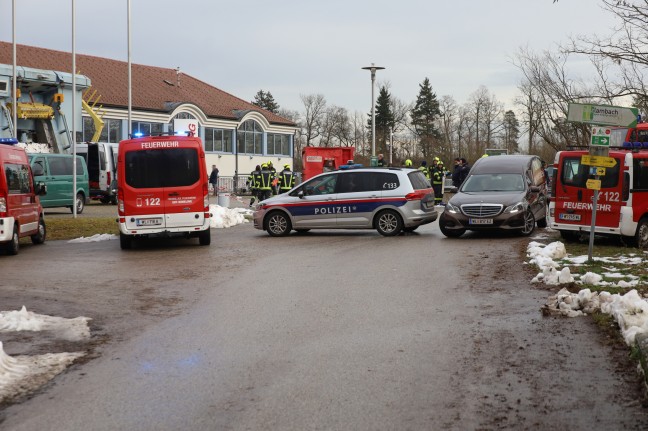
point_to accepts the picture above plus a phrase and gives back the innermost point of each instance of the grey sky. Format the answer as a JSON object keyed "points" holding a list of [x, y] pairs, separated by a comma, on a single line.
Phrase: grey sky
{"points": [[291, 47]]}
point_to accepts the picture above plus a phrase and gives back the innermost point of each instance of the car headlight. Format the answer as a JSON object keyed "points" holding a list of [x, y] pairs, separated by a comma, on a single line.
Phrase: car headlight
{"points": [[452, 208], [514, 209]]}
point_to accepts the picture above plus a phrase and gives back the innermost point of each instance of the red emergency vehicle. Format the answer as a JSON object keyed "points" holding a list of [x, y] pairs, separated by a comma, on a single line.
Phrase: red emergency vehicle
{"points": [[316, 160], [622, 207], [162, 189], [21, 214]]}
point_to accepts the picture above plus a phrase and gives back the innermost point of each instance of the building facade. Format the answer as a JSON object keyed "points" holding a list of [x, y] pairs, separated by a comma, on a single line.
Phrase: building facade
{"points": [[237, 135]]}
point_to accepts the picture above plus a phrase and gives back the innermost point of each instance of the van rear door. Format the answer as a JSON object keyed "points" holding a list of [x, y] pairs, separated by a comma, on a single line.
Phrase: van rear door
{"points": [[163, 188], [574, 200]]}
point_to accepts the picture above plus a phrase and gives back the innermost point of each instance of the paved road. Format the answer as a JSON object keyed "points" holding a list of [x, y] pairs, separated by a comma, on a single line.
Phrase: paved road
{"points": [[329, 330]]}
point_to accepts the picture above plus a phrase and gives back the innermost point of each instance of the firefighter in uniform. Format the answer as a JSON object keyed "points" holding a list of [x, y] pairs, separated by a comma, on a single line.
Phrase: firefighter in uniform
{"points": [[274, 181], [265, 182], [424, 168], [286, 179], [253, 182], [437, 180]]}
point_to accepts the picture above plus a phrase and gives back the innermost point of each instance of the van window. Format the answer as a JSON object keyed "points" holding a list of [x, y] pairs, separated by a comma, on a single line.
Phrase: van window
{"points": [[576, 174], [162, 168], [41, 162], [17, 177], [640, 178], [58, 166]]}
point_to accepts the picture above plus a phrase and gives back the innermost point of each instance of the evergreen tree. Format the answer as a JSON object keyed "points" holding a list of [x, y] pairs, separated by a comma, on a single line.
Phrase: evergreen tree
{"points": [[511, 132], [384, 120], [425, 116], [264, 100]]}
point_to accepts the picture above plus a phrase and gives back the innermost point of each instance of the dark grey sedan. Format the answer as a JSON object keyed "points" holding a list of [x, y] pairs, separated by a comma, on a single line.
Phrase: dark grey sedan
{"points": [[502, 193]]}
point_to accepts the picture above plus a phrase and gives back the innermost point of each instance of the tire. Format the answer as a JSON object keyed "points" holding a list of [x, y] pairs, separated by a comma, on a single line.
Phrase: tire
{"points": [[301, 231], [388, 223], [80, 203], [542, 223], [278, 224], [13, 246], [105, 200], [39, 237], [529, 223], [641, 236], [410, 229], [113, 200], [451, 233], [204, 237], [125, 241], [569, 235]]}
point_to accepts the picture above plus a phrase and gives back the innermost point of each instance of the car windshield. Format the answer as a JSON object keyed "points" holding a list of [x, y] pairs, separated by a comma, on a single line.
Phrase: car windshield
{"points": [[493, 183]]}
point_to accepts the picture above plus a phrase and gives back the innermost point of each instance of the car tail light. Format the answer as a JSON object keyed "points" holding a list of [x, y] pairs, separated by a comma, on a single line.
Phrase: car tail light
{"points": [[206, 197], [417, 195], [108, 177], [3, 206], [120, 201]]}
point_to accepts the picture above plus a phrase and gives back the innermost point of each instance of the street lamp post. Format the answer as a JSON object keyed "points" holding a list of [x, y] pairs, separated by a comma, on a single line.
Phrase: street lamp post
{"points": [[373, 69]]}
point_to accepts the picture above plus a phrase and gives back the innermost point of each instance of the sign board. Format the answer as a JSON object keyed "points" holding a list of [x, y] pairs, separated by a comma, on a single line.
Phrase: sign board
{"points": [[314, 159], [600, 172], [599, 161], [593, 184], [603, 115], [601, 136], [185, 126]]}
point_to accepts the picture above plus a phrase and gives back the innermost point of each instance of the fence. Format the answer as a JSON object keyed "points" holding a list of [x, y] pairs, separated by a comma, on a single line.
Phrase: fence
{"points": [[237, 185]]}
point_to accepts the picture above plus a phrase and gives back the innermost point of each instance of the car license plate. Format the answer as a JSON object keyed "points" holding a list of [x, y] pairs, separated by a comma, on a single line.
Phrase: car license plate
{"points": [[571, 217], [481, 221], [148, 221]]}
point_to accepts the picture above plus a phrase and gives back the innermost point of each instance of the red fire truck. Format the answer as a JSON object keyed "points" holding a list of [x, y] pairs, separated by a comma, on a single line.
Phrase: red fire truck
{"points": [[622, 207]]}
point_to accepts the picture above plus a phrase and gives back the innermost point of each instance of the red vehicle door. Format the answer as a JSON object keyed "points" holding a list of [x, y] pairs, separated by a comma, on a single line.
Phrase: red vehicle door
{"points": [[573, 198], [163, 182]]}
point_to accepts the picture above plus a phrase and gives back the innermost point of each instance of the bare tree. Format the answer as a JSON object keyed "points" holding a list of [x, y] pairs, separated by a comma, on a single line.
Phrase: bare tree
{"points": [[625, 49], [335, 127], [314, 108], [548, 90]]}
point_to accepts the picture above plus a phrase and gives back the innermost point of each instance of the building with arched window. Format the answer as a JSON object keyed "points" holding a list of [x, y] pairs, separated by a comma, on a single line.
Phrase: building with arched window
{"points": [[237, 135]]}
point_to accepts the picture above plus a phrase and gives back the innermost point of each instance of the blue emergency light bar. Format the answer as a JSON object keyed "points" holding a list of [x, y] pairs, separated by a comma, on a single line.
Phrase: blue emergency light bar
{"points": [[8, 141]]}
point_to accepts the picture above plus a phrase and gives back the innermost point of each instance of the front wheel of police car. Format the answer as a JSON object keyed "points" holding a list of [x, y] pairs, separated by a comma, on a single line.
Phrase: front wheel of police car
{"points": [[278, 224]]}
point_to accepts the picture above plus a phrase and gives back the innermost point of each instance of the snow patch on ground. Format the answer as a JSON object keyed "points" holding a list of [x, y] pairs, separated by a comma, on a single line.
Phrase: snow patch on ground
{"points": [[23, 374], [95, 238], [222, 217], [629, 310]]}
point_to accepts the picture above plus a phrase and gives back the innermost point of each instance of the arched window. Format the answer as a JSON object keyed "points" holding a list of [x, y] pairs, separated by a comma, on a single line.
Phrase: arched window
{"points": [[249, 138]]}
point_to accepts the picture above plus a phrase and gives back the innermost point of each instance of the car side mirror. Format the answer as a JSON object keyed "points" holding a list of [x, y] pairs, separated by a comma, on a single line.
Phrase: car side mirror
{"points": [[300, 194], [452, 189], [40, 189]]}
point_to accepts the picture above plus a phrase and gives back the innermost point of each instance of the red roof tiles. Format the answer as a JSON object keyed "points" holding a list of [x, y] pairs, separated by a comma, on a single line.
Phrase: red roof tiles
{"points": [[153, 88]]}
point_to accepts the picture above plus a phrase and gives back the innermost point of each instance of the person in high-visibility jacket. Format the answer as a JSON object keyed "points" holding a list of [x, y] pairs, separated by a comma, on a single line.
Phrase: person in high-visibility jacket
{"points": [[265, 182], [408, 163], [275, 179], [253, 181], [424, 168], [286, 179], [438, 175]]}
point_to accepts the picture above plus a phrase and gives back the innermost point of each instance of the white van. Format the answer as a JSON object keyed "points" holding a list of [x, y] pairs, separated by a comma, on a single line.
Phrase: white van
{"points": [[101, 159]]}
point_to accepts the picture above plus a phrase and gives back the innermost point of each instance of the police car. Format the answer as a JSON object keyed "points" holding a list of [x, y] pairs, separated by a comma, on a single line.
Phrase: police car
{"points": [[389, 200]]}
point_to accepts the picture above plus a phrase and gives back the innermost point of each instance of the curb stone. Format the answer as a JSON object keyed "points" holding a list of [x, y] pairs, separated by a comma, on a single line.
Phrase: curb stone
{"points": [[641, 342]]}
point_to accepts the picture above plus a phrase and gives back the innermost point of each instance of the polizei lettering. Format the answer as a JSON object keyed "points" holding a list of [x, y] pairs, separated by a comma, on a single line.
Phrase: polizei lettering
{"points": [[334, 210], [160, 144], [586, 206]]}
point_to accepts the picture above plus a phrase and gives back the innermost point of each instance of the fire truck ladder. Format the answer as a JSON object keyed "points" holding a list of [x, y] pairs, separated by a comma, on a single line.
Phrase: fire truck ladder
{"points": [[96, 113]]}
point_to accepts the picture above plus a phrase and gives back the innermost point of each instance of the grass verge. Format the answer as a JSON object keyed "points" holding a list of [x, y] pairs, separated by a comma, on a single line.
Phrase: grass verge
{"points": [[66, 228]]}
